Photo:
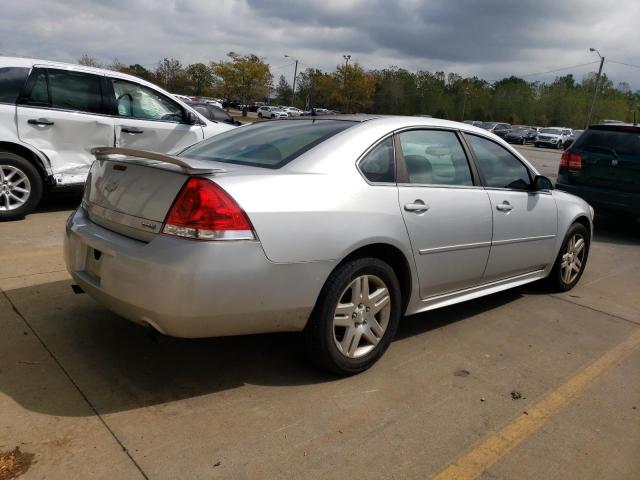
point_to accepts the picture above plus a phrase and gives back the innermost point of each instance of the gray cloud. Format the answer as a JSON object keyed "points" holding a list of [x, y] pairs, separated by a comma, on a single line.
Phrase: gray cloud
{"points": [[487, 38]]}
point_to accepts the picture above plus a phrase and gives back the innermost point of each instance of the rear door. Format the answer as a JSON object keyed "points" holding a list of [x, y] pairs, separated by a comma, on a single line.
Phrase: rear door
{"points": [[610, 158], [447, 214], [61, 113], [524, 222], [146, 119]]}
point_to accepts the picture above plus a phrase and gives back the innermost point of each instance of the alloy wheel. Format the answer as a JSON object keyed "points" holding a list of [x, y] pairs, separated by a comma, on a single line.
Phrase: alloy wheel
{"points": [[361, 317], [15, 188], [572, 259]]}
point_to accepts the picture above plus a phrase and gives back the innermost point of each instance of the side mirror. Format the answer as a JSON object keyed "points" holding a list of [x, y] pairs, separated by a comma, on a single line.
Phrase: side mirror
{"points": [[540, 182], [190, 117]]}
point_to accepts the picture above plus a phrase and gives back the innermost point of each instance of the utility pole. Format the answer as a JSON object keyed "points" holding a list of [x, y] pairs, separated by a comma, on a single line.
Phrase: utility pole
{"points": [[295, 74], [595, 91], [346, 66], [464, 102]]}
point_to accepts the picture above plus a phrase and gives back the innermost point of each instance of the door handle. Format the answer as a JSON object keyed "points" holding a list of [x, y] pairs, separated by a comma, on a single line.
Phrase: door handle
{"points": [[504, 206], [39, 121], [132, 130], [417, 206]]}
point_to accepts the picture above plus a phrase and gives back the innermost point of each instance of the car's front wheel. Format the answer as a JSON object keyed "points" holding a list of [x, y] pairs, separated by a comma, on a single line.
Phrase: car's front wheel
{"points": [[20, 186], [356, 316], [260, 116], [572, 259]]}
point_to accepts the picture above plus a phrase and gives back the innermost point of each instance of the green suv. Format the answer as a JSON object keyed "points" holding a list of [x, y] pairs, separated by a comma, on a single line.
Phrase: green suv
{"points": [[603, 167]]}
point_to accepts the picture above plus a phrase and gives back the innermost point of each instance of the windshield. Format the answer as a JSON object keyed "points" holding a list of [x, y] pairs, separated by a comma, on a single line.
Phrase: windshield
{"points": [[487, 125], [267, 144], [551, 131]]}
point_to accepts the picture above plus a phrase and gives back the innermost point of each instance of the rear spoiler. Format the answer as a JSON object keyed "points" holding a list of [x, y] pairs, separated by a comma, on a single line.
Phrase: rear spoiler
{"points": [[188, 166]]}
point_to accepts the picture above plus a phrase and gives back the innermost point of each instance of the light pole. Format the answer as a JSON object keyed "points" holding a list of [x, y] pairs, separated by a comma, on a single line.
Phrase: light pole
{"points": [[295, 74], [595, 91], [464, 102], [344, 81]]}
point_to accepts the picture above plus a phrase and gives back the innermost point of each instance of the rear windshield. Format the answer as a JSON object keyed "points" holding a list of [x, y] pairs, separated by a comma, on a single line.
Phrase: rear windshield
{"points": [[266, 144], [615, 142]]}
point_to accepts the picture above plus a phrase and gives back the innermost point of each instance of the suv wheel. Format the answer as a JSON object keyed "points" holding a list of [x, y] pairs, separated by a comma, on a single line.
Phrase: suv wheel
{"points": [[571, 260], [356, 316], [560, 145], [20, 186]]}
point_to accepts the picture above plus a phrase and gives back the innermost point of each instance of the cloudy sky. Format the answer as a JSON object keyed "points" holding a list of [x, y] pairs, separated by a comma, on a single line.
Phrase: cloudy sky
{"points": [[488, 38]]}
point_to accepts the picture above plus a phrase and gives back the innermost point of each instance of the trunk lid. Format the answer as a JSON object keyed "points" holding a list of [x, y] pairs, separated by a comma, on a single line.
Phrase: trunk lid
{"points": [[131, 192]]}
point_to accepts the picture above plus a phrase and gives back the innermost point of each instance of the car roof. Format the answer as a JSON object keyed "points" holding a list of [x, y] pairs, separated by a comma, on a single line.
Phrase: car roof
{"points": [[31, 62]]}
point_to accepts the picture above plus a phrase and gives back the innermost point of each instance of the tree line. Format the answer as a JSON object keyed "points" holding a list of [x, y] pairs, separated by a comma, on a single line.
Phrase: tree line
{"points": [[350, 88]]}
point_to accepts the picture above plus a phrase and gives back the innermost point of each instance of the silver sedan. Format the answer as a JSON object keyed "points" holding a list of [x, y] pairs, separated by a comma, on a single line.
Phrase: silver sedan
{"points": [[332, 226]]}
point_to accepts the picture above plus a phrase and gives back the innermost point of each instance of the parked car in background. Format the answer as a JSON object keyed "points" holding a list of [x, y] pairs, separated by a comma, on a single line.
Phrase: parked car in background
{"points": [[52, 114], [500, 129], [603, 167], [254, 106], [213, 113], [317, 111], [553, 137], [521, 135], [238, 234], [292, 111], [184, 98], [475, 123], [271, 112], [572, 138]]}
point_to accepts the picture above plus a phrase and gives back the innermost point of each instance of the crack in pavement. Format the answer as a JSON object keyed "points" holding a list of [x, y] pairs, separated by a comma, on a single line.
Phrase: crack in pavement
{"points": [[73, 382], [593, 309]]}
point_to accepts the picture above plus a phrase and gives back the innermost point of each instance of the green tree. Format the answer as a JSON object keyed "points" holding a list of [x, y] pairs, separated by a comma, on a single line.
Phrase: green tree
{"points": [[244, 77], [171, 76], [283, 91], [201, 78], [89, 61]]}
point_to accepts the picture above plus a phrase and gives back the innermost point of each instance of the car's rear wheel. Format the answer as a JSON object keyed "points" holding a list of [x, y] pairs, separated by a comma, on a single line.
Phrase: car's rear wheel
{"points": [[356, 316], [20, 186], [571, 260]]}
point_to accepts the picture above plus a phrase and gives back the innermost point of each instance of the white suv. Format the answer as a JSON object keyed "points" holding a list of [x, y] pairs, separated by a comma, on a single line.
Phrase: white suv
{"points": [[271, 112], [53, 114]]}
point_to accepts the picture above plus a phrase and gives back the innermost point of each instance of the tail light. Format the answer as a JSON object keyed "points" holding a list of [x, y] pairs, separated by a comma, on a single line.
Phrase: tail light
{"points": [[204, 211], [571, 160]]}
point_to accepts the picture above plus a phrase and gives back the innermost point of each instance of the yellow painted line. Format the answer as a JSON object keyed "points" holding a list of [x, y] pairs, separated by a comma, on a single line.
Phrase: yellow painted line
{"points": [[36, 253], [472, 464]]}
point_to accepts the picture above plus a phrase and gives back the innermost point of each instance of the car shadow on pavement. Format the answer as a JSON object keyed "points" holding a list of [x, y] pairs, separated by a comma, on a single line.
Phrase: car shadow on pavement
{"points": [[119, 366], [616, 229], [55, 202]]}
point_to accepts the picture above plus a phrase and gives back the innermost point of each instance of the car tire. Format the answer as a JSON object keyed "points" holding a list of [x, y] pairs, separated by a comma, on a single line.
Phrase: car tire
{"points": [[260, 116], [346, 335], [571, 260], [524, 141], [28, 187], [535, 144], [559, 146]]}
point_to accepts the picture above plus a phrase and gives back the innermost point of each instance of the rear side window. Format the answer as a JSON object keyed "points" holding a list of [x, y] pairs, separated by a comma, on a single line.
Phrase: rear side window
{"points": [[434, 157], [11, 82], [266, 144], [65, 89], [379, 165], [610, 141]]}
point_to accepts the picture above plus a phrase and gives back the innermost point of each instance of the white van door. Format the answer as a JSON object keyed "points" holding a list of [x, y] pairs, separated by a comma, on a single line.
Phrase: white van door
{"points": [[62, 114], [146, 119]]}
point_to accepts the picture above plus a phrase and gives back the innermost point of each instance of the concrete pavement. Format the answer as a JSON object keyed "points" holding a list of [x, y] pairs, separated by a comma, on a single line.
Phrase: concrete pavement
{"points": [[90, 395]]}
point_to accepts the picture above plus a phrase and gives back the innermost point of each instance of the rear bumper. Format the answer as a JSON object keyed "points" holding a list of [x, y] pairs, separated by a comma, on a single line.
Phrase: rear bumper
{"points": [[603, 199], [187, 288]]}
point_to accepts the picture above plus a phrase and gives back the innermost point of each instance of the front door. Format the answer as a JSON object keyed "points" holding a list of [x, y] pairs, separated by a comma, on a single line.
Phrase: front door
{"points": [[448, 216], [525, 222], [148, 120], [61, 114]]}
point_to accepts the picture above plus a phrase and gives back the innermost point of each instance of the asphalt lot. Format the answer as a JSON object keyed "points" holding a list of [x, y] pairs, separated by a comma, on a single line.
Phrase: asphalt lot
{"points": [[521, 384]]}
